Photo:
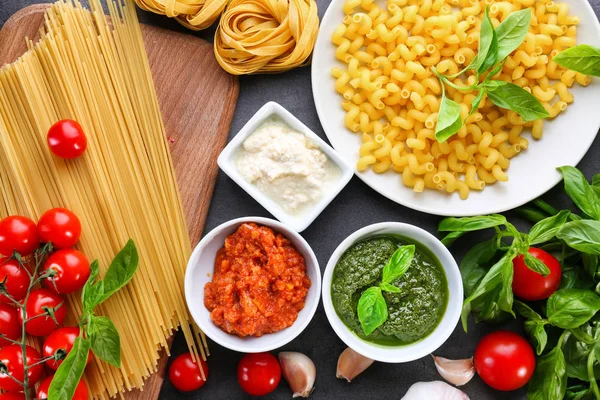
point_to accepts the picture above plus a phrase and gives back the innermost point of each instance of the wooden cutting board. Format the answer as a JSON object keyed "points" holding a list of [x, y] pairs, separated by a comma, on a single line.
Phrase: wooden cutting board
{"points": [[197, 100]]}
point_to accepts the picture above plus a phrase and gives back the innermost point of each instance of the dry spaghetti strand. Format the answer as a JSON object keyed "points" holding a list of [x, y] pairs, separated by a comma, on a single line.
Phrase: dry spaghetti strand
{"points": [[266, 36]]}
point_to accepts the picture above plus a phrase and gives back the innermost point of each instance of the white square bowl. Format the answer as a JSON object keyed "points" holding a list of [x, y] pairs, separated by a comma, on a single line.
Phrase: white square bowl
{"points": [[227, 164]]}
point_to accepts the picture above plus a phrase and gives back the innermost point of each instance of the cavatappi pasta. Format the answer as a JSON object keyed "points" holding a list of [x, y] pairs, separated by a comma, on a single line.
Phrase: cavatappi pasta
{"points": [[391, 97], [122, 187]]}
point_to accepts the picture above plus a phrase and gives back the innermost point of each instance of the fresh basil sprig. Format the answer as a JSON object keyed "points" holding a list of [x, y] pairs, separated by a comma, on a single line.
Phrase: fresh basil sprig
{"points": [[495, 44], [582, 58], [372, 309], [97, 333]]}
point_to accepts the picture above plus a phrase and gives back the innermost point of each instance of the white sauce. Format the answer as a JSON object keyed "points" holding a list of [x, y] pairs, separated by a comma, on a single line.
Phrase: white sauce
{"points": [[286, 166]]}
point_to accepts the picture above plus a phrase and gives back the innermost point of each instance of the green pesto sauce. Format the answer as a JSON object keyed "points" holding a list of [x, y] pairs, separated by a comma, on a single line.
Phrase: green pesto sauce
{"points": [[413, 313]]}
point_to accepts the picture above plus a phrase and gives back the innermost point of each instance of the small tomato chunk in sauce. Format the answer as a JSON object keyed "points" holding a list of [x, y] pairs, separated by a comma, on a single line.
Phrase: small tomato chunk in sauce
{"points": [[259, 285]]}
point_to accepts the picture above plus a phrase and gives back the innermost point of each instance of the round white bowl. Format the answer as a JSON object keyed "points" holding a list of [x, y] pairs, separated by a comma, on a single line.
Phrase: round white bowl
{"points": [[200, 271], [413, 351]]}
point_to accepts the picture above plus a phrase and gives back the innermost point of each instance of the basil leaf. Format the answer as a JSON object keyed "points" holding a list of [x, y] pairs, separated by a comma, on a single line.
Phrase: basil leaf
{"points": [[549, 381], [372, 310], [488, 45], [577, 353], [492, 85], [582, 335], [596, 180], [471, 266], [583, 235], [449, 120], [582, 58], [398, 264], [597, 350], [536, 265], [69, 373], [578, 392], [493, 280], [451, 237], [580, 191], [513, 97], [389, 288], [512, 32], [547, 228], [590, 264], [534, 326], [476, 102], [92, 293], [121, 270], [573, 276], [469, 224], [105, 340], [571, 308]]}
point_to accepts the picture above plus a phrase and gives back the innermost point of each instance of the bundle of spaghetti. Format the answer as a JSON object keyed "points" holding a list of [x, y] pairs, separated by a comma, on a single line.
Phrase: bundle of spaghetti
{"points": [[124, 186]]}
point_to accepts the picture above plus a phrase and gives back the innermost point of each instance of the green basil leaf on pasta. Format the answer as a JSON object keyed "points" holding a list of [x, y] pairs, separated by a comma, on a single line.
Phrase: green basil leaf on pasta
{"points": [[121, 269], [105, 340], [476, 102], [512, 32], [582, 58], [449, 120], [513, 97], [487, 52], [372, 310]]}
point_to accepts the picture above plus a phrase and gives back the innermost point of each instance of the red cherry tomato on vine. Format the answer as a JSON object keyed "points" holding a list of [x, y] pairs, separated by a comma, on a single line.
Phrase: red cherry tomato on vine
{"points": [[17, 279], [504, 360], [43, 326], [529, 285], [66, 139], [12, 396], [72, 271], [10, 326], [62, 338], [18, 234], [185, 374], [59, 226], [81, 392], [259, 373], [12, 357]]}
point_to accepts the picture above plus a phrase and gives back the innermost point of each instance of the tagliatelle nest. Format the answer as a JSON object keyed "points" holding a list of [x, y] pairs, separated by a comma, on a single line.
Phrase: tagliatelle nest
{"points": [[193, 14], [266, 36]]}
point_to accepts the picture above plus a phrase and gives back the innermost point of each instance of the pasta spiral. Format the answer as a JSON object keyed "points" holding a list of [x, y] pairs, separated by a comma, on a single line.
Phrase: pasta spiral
{"points": [[193, 14], [265, 36]]}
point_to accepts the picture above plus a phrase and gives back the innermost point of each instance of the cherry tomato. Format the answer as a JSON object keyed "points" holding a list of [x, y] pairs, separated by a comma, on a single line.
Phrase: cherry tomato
{"points": [[72, 271], [18, 234], [10, 326], [259, 373], [43, 326], [60, 227], [504, 360], [12, 396], [62, 338], [529, 285], [66, 139], [12, 357], [185, 374], [17, 279], [81, 392]]}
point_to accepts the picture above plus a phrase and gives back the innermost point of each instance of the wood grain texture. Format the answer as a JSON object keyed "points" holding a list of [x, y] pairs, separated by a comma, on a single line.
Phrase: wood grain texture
{"points": [[197, 100]]}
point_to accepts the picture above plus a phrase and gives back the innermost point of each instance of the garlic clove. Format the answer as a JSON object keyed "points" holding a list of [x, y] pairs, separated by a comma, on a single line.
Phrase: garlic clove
{"points": [[437, 390], [299, 371], [456, 372], [351, 364]]}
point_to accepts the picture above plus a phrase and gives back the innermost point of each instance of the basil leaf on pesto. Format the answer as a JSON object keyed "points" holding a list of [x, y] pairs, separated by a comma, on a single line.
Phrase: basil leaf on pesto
{"points": [[398, 264], [372, 310]]}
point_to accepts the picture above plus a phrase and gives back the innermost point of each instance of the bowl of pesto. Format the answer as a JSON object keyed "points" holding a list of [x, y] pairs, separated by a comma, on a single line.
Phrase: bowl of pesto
{"points": [[392, 292]]}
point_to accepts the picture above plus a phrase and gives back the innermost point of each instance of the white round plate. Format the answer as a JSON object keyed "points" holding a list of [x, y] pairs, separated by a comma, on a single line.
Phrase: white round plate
{"points": [[533, 172]]}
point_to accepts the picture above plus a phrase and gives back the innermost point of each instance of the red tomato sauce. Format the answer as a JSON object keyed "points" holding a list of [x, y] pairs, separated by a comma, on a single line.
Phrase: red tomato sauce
{"points": [[259, 284]]}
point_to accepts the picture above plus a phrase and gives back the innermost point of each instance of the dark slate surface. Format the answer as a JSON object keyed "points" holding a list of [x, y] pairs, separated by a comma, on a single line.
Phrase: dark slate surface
{"points": [[356, 207]]}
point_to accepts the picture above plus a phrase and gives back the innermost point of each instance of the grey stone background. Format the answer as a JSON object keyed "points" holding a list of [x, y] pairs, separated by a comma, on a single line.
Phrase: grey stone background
{"points": [[356, 207]]}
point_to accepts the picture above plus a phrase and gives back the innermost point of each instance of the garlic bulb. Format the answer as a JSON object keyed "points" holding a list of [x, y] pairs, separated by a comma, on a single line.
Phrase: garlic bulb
{"points": [[351, 364], [299, 371], [457, 372], [436, 390]]}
